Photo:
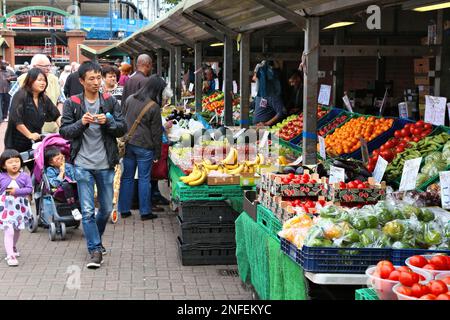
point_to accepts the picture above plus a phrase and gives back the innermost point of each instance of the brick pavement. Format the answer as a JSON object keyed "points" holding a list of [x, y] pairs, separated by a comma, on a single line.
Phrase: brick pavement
{"points": [[142, 263]]}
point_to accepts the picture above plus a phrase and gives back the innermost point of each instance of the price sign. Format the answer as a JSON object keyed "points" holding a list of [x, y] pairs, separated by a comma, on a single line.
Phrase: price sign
{"points": [[364, 150], [409, 175], [235, 87], [216, 84], [403, 110], [237, 134], [296, 162], [444, 178], [337, 174], [347, 103], [435, 110], [324, 95], [191, 86], [254, 91], [379, 170], [323, 152]]}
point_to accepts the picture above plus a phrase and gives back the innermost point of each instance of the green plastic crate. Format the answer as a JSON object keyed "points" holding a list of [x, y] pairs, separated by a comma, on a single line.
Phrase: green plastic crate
{"points": [[366, 294], [184, 192], [268, 221]]}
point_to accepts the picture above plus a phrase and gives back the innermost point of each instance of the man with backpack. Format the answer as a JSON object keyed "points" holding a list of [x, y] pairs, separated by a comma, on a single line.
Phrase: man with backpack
{"points": [[92, 122]]}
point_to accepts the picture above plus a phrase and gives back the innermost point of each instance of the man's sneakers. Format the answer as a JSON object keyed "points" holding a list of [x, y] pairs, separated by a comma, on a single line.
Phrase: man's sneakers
{"points": [[95, 261], [149, 216], [104, 252], [77, 214], [12, 261]]}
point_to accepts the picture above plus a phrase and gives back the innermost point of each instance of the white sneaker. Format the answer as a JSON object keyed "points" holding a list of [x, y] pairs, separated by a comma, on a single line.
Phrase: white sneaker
{"points": [[77, 214], [12, 261]]}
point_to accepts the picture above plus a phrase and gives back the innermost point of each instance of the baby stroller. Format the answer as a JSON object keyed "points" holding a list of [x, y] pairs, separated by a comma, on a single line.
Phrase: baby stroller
{"points": [[51, 213]]}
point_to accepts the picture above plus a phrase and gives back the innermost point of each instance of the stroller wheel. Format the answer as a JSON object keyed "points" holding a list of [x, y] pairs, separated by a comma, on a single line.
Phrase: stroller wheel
{"points": [[52, 231], [63, 231], [114, 216], [34, 222]]}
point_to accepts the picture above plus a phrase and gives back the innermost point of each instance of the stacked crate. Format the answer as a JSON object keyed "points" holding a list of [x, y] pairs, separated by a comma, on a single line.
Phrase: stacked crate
{"points": [[422, 73], [206, 233]]}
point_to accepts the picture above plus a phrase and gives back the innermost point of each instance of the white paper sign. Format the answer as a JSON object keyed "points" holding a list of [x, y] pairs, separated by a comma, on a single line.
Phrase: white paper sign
{"points": [[409, 175], [235, 87], [323, 152], [347, 103], [254, 92], [379, 170], [324, 95], [435, 110], [403, 110], [296, 162], [448, 107], [264, 139], [216, 83], [337, 174], [191, 86], [237, 134], [444, 178]]}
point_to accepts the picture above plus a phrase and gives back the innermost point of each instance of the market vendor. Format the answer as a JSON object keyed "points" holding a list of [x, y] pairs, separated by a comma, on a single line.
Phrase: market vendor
{"points": [[269, 107], [295, 103], [209, 85]]}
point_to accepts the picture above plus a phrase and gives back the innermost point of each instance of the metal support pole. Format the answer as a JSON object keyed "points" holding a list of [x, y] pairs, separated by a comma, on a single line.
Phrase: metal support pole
{"points": [[439, 42], [338, 70], [228, 80], [310, 91], [172, 69], [198, 76], [159, 62], [178, 72], [245, 78]]}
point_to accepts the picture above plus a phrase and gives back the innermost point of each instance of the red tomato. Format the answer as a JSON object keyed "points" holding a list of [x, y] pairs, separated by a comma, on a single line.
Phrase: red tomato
{"points": [[405, 133], [437, 287], [418, 261], [446, 280], [371, 167], [416, 139], [408, 126], [291, 176], [361, 186], [419, 123], [386, 270], [398, 134], [443, 297], [394, 275], [405, 291], [342, 185], [404, 269], [390, 144], [399, 149], [429, 267], [423, 134], [313, 181], [427, 126], [428, 297], [351, 185], [419, 290], [408, 278], [440, 262], [384, 262], [416, 132]]}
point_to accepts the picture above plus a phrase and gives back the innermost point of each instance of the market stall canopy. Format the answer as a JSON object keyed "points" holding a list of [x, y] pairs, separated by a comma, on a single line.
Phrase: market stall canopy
{"points": [[111, 50]]}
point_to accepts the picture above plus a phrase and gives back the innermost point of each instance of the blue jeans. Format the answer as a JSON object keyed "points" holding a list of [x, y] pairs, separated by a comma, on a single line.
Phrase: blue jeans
{"points": [[94, 226], [143, 159]]}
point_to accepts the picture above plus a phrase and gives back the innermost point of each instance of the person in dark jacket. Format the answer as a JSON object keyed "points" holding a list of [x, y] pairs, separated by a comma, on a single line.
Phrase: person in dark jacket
{"points": [[137, 80], [295, 103], [73, 86], [92, 122]]}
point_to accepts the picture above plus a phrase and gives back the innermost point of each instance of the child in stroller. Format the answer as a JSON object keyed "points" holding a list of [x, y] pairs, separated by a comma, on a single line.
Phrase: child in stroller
{"points": [[57, 208]]}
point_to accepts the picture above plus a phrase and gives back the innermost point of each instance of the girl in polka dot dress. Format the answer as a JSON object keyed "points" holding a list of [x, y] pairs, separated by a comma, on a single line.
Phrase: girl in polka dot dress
{"points": [[15, 211]]}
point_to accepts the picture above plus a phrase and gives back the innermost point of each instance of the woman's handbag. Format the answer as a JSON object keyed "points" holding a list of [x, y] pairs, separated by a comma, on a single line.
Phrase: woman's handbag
{"points": [[160, 169], [122, 142]]}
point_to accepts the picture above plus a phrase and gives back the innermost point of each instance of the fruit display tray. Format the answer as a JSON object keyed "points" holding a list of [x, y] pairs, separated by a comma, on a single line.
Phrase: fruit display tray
{"points": [[278, 188], [376, 192]]}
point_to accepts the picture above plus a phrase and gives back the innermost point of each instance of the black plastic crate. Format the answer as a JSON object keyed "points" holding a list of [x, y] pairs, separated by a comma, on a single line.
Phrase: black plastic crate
{"points": [[341, 260], [250, 203], [207, 211], [400, 255], [204, 254], [206, 233]]}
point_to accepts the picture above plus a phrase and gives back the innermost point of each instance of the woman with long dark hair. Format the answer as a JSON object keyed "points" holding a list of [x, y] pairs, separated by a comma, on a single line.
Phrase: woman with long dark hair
{"points": [[144, 146], [30, 108]]}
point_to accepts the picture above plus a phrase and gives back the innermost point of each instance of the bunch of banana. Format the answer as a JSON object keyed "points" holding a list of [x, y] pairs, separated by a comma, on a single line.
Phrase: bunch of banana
{"points": [[282, 161], [197, 177], [231, 157]]}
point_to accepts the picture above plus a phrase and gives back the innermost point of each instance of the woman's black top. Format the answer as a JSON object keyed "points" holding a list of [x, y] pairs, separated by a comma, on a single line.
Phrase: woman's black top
{"points": [[24, 111]]}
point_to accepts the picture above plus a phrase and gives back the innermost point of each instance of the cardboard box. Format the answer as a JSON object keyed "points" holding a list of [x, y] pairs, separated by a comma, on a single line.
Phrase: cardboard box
{"points": [[422, 66], [218, 181], [297, 190], [422, 80], [376, 192], [425, 90], [249, 179]]}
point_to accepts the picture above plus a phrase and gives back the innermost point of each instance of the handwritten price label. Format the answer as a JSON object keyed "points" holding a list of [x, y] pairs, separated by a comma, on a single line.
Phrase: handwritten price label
{"points": [[435, 110], [337, 174], [409, 176], [444, 178], [380, 168]]}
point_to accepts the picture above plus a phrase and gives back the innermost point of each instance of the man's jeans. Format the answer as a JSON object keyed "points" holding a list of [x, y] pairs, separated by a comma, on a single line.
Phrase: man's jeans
{"points": [[94, 226], [143, 159]]}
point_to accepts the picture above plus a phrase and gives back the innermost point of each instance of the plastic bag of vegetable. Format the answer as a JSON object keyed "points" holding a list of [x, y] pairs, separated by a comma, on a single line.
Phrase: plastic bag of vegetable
{"points": [[382, 212], [394, 229], [434, 156], [432, 234], [330, 211], [374, 238]]}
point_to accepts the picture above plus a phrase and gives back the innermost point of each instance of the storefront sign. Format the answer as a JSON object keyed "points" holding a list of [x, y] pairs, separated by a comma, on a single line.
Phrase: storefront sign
{"points": [[324, 95], [323, 152], [347, 103], [435, 110], [379, 170], [337, 174], [409, 175], [444, 178]]}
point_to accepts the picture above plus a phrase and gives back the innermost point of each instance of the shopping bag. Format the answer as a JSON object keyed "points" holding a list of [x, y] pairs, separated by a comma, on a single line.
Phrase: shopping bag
{"points": [[160, 169]]}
